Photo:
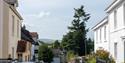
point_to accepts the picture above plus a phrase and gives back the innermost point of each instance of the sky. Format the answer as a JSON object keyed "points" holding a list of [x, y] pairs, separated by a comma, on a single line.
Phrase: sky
{"points": [[50, 18]]}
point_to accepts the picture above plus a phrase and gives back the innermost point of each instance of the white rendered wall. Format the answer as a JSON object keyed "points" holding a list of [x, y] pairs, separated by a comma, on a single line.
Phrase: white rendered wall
{"points": [[117, 33], [104, 42]]}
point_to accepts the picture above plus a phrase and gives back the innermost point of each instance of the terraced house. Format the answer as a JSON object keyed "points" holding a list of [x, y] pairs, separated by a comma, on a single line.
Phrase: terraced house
{"points": [[10, 28], [109, 34]]}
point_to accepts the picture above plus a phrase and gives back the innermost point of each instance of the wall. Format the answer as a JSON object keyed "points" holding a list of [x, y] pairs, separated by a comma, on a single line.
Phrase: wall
{"points": [[27, 53], [1, 26], [103, 43], [5, 30], [14, 38], [117, 33]]}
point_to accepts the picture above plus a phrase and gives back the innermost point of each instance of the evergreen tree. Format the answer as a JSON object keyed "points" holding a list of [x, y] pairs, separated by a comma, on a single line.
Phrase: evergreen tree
{"points": [[76, 39], [90, 46], [56, 44]]}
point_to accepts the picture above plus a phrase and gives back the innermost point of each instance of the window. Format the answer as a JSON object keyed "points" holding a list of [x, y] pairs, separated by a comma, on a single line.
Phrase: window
{"points": [[13, 23], [124, 15], [115, 50], [105, 32], [18, 28], [97, 36], [100, 35], [115, 19]]}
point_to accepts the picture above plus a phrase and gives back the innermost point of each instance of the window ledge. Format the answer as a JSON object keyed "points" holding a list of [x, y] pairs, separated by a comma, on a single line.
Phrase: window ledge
{"points": [[105, 40]]}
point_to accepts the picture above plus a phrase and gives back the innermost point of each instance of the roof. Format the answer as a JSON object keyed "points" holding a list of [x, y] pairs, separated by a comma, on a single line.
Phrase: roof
{"points": [[113, 5], [25, 35], [105, 20], [11, 2], [34, 34]]}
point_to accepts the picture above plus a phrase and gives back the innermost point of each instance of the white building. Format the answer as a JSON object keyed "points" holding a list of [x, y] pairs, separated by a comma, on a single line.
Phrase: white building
{"points": [[101, 35], [109, 34], [35, 46]]}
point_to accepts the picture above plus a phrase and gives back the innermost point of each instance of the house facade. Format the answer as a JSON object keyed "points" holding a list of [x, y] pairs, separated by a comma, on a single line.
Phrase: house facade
{"points": [[10, 26], [35, 46], [112, 28], [24, 48], [101, 35]]}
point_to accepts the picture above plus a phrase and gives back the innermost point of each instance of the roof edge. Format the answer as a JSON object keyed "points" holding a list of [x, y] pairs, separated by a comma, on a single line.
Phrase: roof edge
{"points": [[113, 5], [110, 5], [16, 12], [104, 20]]}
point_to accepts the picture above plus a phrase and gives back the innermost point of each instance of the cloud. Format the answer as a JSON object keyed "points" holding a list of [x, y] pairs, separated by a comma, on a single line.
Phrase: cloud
{"points": [[41, 14], [51, 17]]}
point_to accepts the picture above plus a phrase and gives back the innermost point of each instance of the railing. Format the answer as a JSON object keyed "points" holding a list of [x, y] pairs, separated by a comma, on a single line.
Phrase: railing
{"points": [[5, 61], [100, 61]]}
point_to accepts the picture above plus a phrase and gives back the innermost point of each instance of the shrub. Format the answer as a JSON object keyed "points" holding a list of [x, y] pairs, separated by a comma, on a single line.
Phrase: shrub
{"points": [[102, 54], [91, 58], [111, 60], [70, 55]]}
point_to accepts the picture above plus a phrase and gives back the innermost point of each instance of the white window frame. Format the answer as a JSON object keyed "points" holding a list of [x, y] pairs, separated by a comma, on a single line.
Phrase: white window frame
{"points": [[97, 36], [105, 33], [18, 25], [100, 35], [115, 50], [13, 25], [115, 19], [124, 14]]}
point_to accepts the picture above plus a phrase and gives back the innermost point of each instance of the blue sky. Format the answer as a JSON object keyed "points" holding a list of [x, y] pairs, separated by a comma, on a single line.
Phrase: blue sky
{"points": [[50, 18]]}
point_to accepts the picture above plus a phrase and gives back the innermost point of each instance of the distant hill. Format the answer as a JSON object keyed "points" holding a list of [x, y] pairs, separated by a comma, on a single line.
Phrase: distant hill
{"points": [[47, 40]]}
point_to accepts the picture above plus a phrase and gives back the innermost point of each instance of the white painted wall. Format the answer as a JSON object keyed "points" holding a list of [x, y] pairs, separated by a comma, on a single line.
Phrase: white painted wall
{"points": [[103, 42], [117, 33], [114, 35]]}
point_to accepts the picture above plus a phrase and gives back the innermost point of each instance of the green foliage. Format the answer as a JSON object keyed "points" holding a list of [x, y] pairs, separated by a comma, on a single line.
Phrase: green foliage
{"points": [[102, 54], [77, 34], [70, 55], [91, 58], [111, 60], [45, 54], [90, 46], [56, 44]]}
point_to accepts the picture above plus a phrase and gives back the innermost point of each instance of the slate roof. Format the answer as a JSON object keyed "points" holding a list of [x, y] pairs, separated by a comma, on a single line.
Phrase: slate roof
{"points": [[25, 35]]}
